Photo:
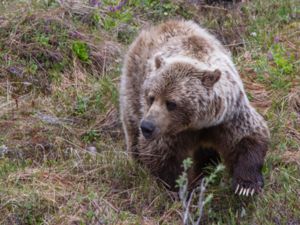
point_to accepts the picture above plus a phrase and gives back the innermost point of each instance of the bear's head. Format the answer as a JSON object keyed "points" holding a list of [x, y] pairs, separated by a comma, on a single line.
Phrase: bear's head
{"points": [[178, 96]]}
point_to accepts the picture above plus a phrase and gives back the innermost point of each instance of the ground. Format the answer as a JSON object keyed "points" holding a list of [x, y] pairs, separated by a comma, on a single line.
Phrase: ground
{"points": [[62, 152]]}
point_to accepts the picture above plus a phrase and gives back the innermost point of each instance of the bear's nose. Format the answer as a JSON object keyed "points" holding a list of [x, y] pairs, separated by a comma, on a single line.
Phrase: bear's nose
{"points": [[147, 128]]}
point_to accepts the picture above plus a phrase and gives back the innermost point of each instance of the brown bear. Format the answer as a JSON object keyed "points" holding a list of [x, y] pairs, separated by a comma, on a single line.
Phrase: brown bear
{"points": [[181, 96]]}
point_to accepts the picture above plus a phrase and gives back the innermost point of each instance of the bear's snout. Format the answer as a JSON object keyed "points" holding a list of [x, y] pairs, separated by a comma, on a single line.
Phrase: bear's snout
{"points": [[147, 128]]}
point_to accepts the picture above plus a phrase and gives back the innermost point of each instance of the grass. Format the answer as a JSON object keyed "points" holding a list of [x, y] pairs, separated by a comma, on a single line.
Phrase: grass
{"points": [[62, 157]]}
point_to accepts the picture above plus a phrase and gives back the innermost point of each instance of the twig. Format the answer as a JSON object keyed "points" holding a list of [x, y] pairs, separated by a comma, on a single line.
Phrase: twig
{"points": [[214, 7], [236, 44]]}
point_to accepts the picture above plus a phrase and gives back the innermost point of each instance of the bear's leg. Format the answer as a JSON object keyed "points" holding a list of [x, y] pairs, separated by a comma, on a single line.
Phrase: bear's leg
{"points": [[130, 126], [129, 115], [162, 159], [131, 136], [203, 158], [170, 172], [247, 166], [173, 169]]}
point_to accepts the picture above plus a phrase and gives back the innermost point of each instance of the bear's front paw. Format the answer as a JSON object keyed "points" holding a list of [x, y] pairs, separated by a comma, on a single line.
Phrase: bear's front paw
{"points": [[248, 187]]}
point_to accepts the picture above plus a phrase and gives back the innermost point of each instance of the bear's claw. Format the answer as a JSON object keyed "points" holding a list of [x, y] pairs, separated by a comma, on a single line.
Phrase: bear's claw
{"points": [[248, 187], [237, 189], [243, 191]]}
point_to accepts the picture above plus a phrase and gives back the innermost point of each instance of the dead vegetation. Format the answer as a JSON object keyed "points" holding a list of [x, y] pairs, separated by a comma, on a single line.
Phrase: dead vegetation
{"points": [[62, 158], [39, 47]]}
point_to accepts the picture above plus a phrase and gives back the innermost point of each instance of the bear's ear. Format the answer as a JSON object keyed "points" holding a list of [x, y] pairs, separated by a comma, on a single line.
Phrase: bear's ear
{"points": [[159, 62], [209, 78]]}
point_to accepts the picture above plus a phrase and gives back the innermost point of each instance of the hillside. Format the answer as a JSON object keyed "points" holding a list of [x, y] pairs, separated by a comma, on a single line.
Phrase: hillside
{"points": [[62, 151]]}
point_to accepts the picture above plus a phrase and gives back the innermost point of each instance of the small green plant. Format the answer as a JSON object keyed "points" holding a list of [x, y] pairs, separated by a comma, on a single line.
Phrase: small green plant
{"points": [[284, 13], [55, 76], [127, 35], [2, 140], [48, 3], [114, 19], [32, 68], [161, 9], [98, 102], [250, 96], [81, 50], [90, 136], [182, 181], [95, 18], [43, 39], [282, 60], [282, 72], [108, 88], [108, 23], [81, 105], [277, 68], [190, 217]]}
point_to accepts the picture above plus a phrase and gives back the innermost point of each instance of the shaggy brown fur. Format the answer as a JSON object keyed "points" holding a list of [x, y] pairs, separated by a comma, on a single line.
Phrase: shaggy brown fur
{"points": [[180, 97]]}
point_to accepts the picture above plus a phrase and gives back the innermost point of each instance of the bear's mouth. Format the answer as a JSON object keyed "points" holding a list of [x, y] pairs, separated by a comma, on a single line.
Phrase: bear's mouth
{"points": [[151, 135]]}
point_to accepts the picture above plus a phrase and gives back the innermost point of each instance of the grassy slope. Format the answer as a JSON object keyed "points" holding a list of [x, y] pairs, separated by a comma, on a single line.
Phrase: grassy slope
{"points": [[57, 106]]}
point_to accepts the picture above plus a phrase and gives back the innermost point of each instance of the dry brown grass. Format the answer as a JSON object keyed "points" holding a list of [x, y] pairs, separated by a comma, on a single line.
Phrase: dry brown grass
{"points": [[65, 161], [44, 39]]}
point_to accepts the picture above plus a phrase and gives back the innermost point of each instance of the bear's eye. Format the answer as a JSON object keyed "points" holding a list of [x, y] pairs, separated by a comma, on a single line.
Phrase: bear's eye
{"points": [[151, 100], [171, 105]]}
